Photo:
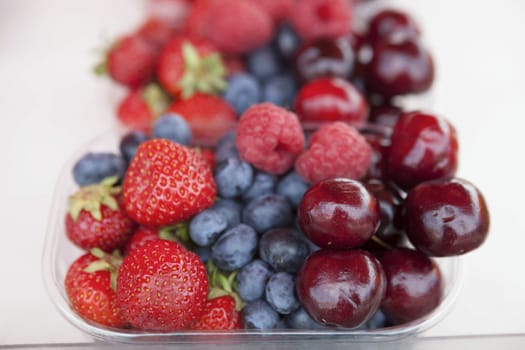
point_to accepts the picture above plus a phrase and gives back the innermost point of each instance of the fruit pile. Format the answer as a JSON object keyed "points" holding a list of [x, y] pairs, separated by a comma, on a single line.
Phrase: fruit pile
{"points": [[270, 178]]}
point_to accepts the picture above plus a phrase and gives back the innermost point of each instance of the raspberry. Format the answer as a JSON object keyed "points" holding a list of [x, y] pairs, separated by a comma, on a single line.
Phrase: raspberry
{"points": [[316, 19], [335, 150], [279, 10], [269, 137]]}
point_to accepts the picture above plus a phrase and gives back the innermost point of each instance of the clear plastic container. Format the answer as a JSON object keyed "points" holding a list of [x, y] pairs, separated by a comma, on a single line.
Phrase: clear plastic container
{"points": [[59, 253]]}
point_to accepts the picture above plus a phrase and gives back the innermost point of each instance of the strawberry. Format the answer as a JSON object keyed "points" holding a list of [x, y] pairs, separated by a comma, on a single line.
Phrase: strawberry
{"points": [[167, 183], [143, 234], [96, 217], [209, 116], [89, 291], [161, 286], [209, 156], [219, 314], [156, 31]]}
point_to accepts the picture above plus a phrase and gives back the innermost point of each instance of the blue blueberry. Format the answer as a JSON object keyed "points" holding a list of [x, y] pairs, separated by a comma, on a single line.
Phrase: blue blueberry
{"points": [[232, 177], [280, 293], [259, 315], [204, 253], [226, 147], [230, 209], [173, 127], [300, 319], [287, 42], [251, 280], [129, 144], [267, 212], [264, 63], [243, 91], [378, 320], [293, 187], [92, 168], [281, 324], [235, 248], [283, 249], [280, 90], [263, 184], [207, 226]]}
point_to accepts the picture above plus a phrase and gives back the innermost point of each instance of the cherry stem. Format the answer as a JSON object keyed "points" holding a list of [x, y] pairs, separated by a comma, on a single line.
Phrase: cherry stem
{"points": [[382, 243]]}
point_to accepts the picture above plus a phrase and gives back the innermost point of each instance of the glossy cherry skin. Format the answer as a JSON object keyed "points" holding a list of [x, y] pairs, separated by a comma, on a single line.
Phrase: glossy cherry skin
{"points": [[446, 217], [330, 99], [324, 58], [423, 147], [392, 25], [378, 137], [386, 116], [399, 68], [341, 288], [414, 285], [339, 214]]}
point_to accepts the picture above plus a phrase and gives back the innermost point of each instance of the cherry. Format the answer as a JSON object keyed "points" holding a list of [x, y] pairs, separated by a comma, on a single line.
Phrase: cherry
{"points": [[423, 147], [341, 288], [324, 58], [378, 137], [330, 99], [339, 214], [414, 285], [399, 68], [392, 25], [446, 217], [385, 115]]}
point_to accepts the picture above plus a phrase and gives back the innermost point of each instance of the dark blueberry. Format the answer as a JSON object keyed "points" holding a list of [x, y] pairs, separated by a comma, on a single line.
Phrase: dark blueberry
{"points": [[207, 226], [299, 319], [233, 176], [252, 279], [230, 209], [235, 248], [204, 253], [267, 212], [92, 168], [259, 315], [287, 42], [172, 127], [293, 187], [283, 249], [280, 293], [226, 147], [243, 91], [263, 183], [281, 324], [379, 320], [264, 63], [280, 90], [129, 144]]}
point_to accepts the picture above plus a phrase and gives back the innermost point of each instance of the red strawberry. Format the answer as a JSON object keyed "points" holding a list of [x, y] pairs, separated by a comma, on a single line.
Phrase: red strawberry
{"points": [[141, 235], [279, 10], [156, 31], [209, 156], [90, 293], [219, 314], [161, 286], [97, 218], [167, 183], [209, 116]]}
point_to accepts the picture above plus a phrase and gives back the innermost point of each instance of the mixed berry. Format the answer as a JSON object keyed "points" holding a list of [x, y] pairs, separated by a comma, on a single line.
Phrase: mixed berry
{"points": [[269, 178]]}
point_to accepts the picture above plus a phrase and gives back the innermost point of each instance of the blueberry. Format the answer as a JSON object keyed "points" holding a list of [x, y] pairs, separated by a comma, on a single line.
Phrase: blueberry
{"points": [[235, 248], [300, 319], [284, 249], [226, 147], [267, 212], [259, 315], [264, 63], [204, 253], [281, 324], [280, 90], [207, 226], [263, 183], [230, 209], [172, 127], [287, 42], [129, 144], [251, 280], [233, 176], [242, 92], [92, 168], [293, 187], [378, 320], [280, 293]]}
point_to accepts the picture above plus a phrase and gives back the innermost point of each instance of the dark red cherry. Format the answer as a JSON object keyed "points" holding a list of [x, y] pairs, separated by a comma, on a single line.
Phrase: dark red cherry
{"points": [[378, 137], [446, 217], [414, 286], [339, 214], [385, 115], [392, 25], [399, 69], [341, 288], [324, 58], [330, 99], [423, 147]]}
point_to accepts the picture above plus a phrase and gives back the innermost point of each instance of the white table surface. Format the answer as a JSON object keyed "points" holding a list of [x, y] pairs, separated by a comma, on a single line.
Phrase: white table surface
{"points": [[50, 104]]}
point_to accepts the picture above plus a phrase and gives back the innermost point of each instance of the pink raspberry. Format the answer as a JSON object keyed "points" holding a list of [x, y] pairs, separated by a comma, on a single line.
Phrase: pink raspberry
{"points": [[279, 10], [316, 19], [269, 137], [335, 150]]}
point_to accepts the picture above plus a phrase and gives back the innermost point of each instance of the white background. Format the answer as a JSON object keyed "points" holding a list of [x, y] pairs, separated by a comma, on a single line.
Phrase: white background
{"points": [[50, 104]]}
